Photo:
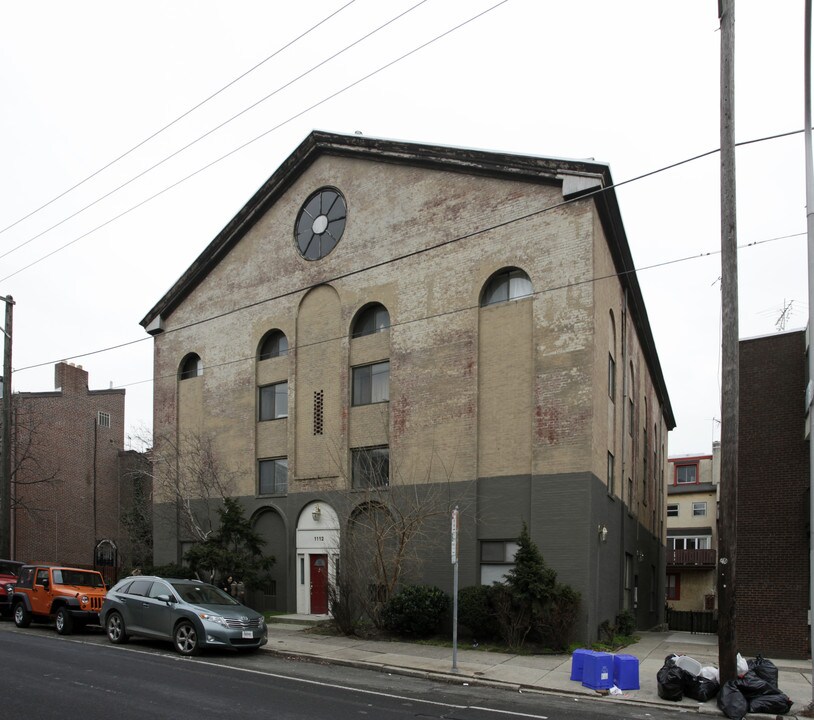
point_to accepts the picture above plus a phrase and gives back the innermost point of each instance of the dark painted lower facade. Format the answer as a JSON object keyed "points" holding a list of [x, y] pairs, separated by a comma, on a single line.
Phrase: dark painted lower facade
{"points": [[590, 539]]}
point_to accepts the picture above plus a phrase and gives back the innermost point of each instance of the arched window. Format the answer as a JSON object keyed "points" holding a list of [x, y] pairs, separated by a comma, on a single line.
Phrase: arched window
{"points": [[371, 319], [274, 344], [504, 285], [191, 367]]}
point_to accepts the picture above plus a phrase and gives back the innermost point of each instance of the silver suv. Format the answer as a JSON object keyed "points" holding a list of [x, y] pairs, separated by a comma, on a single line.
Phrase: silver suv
{"points": [[192, 615]]}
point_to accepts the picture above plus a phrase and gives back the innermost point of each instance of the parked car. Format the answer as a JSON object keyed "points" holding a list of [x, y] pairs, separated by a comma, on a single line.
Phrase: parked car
{"points": [[192, 615], [9, 572], [72, 597]]}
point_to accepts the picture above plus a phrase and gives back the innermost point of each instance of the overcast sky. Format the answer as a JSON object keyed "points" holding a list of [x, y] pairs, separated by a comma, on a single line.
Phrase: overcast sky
{"points": [[634, 83]]}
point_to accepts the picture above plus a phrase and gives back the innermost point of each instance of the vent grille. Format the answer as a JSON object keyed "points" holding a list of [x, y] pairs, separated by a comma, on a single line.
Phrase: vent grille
{"points": [[319, 410]]}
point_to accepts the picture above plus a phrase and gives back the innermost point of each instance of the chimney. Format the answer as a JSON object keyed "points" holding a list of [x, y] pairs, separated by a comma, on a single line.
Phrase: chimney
{"points": [[70, 379]]}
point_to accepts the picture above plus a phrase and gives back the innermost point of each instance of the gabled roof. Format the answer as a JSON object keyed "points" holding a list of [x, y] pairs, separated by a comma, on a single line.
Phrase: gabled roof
{"points": [[577, 177]]}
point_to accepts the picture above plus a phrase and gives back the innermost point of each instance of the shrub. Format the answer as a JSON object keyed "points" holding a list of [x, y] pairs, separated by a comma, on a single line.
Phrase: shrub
{"points": [[530, 602], [170, 571], [475, 611], [560, 614], [342, 606], [626, 623], [416, 611]]}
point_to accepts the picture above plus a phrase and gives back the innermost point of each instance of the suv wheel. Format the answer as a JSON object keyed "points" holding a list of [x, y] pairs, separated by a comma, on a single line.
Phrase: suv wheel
{"points": [[185, 638], [22, 618], [64, 621], [114, 626]]}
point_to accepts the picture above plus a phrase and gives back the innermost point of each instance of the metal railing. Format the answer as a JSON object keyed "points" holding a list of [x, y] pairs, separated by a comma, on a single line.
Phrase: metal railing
{"points": [[692, 558]]}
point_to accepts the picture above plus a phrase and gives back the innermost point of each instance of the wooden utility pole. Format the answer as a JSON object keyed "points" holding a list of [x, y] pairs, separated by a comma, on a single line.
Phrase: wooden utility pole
{"points": [[809, 149], [728, 511], [5, 461]]}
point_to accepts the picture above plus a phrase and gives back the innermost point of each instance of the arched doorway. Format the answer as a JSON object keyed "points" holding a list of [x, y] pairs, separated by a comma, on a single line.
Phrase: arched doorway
{"points": [[270, 525], [317, 554]]}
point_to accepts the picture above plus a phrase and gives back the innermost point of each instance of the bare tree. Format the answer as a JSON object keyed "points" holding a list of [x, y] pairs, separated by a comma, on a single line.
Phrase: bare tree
{"points": [[391, 529], [189, 480], [32, 464]]}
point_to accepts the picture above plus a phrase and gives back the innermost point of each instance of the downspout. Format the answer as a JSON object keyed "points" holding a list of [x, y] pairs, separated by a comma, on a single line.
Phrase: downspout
{"points": [[95, 446], [623, 479]]}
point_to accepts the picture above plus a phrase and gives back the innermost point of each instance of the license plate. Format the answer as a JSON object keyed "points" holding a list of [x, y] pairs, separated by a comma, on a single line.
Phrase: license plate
{"points": [[248, 635]]}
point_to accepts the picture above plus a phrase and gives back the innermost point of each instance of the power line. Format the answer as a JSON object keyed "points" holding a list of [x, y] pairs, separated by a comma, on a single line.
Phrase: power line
{"points": [[554, 288], [211, 130], [166, 127], [259, 137]]}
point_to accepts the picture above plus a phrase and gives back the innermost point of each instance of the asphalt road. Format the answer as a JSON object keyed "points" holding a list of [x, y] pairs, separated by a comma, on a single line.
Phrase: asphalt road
{"points": [[47, 676]]}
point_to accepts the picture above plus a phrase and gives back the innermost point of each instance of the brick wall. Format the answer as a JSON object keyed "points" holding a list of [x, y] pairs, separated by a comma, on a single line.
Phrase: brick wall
{"points": [[772, 537], [66, 464]]}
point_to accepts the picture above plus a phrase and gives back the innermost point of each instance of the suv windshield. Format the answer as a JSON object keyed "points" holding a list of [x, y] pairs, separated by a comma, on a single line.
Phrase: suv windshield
{"points": [[9, 568], [199, 594], [78, 577]]}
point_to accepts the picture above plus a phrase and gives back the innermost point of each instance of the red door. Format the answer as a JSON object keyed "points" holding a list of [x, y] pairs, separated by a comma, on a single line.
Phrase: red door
{"points": [[319, 584]]}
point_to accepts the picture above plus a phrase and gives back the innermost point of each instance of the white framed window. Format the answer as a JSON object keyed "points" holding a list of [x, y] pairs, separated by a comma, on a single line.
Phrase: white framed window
{"points": [[274, 344], [370, 467], [505, 285], [103, 419], [273, 476], [496, 559], [371, 383], [699, 509], [672, 510], [372, 319], [274, 401], [686, 474], [689, 543], [191, 367], [611, 481]]}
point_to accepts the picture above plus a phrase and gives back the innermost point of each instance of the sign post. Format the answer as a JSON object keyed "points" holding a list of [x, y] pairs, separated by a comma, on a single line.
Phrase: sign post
{"points": [[455, 528]]}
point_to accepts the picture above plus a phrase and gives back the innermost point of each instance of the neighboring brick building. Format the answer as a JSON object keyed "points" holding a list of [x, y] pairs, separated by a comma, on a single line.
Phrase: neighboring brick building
{"points": [[392, 314], [68, 447], [692, 530], [772, 574]]}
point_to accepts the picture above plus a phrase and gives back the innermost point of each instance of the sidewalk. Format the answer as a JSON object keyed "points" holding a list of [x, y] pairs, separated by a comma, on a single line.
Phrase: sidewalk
{"points": [[546, 673]]}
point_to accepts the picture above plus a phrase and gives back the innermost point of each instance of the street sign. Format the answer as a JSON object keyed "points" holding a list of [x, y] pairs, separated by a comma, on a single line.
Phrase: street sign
{"points": [[455, 526]]}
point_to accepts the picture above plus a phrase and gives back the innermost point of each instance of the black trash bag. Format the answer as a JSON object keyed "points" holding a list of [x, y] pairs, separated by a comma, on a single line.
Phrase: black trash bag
{"points": [[700, 688], [751, 685], [731, 701], [765, 669], [670, 681], [775, 704]]}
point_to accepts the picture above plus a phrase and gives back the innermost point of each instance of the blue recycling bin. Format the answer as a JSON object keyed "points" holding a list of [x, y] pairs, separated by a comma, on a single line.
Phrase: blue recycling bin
{"points": [[597, 671], [578, 663], [626, 672]]}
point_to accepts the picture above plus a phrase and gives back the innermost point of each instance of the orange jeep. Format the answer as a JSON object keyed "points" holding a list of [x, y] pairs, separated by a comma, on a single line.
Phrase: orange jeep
{"points": [[71, 596]]}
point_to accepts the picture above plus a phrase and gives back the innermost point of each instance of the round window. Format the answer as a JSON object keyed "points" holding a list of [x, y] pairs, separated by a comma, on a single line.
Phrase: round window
{"points": [[320, 223]]}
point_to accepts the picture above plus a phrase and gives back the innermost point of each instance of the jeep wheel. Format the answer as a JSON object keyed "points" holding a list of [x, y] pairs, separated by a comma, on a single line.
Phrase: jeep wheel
{"points": [[185, 638], [64, 621], [22, 618], [114, 626]]}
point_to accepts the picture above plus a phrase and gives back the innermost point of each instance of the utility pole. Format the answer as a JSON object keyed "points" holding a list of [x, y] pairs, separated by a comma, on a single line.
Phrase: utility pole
{"points": [[5, 461], [728, 513], [810, 228]]}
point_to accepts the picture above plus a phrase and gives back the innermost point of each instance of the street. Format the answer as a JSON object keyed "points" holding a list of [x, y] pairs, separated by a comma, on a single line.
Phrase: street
{"points": [[84, 676]]}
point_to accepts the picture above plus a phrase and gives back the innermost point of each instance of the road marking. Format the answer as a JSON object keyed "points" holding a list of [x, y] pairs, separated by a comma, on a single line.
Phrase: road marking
{"points": [[376, 693]]}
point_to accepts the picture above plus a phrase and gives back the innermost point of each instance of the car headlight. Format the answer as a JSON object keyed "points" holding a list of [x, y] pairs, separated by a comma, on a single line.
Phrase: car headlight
{"points": [[217, 619], [84, 599], [9, 589]]}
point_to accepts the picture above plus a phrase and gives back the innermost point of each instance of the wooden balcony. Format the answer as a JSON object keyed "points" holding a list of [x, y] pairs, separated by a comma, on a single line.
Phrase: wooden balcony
{"points": [[701, 559]]}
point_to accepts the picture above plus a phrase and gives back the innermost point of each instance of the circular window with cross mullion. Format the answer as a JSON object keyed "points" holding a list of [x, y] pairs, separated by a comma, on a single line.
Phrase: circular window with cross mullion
{"points": [[320, 223]]}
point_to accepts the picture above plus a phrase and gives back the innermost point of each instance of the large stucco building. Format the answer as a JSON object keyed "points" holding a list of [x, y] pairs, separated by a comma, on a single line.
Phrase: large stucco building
{"points": [[384, 313]]}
